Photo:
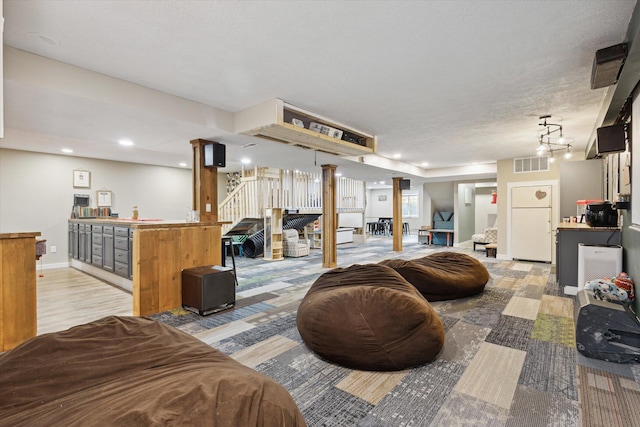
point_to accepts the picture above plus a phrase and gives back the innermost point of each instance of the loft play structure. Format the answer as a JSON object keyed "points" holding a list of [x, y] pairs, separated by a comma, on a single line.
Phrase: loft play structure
{"points": [[262, 202]]}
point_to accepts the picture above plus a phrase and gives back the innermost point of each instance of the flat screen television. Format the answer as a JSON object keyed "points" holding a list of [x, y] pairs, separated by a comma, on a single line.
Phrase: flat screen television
{"points": [[611, 139], [214, 155]]}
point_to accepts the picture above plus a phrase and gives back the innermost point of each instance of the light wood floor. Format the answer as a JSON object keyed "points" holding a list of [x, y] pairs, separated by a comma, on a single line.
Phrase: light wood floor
{"points": [[67, 297]]}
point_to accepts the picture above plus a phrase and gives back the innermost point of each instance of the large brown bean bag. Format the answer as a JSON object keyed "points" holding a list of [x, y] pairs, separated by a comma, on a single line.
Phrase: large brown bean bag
{"points": [[443, 275], [368, 317], [135, 371]]}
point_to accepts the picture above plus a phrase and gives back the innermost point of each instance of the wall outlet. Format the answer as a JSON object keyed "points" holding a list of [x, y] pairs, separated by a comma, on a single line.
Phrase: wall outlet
{"points": [[54, 249]]}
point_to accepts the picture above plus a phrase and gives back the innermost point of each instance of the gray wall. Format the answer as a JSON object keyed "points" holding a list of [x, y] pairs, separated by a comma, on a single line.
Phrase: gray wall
{"points": [[484, 209], [580, 180], [36, 193], [631, 253], [466, 213], [441, 196]]}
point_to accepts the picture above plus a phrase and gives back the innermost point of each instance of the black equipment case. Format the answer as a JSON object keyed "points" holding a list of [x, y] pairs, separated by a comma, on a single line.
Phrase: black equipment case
{"points": [[606, 330]]}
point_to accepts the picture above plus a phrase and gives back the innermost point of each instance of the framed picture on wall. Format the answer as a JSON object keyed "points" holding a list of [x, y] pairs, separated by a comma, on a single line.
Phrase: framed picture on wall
{"points": [[104, 198], [81, 179], [382, 198]]}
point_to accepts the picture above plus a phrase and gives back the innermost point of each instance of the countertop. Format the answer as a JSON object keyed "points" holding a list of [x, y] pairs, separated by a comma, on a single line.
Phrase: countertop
{"points": [[582, 226], [19, 235], [147, 223]]}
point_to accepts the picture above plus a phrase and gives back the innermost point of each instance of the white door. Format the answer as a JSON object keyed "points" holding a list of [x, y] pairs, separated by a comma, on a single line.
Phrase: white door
{"points": [[531, 197], [531, 233]]}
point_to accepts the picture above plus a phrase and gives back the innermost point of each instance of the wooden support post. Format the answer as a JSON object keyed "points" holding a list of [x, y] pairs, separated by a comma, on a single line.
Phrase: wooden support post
{"points": [[397, 214], [329, 216], [205, 184]]}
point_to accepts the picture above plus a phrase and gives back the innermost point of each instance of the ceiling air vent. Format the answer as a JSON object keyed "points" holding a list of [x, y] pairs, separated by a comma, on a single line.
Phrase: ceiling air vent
{"points": [[531, 164]]}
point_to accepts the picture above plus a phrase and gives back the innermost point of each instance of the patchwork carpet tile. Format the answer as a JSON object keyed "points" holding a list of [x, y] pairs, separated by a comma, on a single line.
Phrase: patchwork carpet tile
{"points": [[557, 306], [490, 305], [416, 400], [533, 408], [527, 290], [607, 399], [550, 368], [460, 408], [371, 386], [492, 375], [527, 308], [554, 329], [462, 342], [512, 332]]}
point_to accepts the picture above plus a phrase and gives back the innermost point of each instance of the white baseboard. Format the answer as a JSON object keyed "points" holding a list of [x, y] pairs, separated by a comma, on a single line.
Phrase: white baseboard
{"points": [[112, 278], [51, 266]]}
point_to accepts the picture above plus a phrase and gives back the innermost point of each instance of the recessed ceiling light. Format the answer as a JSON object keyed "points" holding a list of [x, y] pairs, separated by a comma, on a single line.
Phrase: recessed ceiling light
{"points": [[245, 160], [182, 164], [424, 164], [126, 142], [67, 150], [43, 39], [397, 156]]}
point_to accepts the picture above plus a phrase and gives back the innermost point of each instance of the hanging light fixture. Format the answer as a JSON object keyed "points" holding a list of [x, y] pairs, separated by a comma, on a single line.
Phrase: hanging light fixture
{"points": [[551, 139]]}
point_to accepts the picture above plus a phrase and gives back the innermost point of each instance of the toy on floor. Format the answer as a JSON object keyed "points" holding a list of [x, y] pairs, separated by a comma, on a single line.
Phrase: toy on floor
{"points": [[619, 288]]}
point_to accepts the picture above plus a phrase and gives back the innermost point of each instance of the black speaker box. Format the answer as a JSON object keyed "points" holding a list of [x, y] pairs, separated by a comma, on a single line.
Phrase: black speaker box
{"points": [[215, 155], [606, 330], [405, 184], [208, 289], [607, 65]]}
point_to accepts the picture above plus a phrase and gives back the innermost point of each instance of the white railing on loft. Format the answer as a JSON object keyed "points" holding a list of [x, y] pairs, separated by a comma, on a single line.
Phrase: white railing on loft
{"points": [[262, 188]]}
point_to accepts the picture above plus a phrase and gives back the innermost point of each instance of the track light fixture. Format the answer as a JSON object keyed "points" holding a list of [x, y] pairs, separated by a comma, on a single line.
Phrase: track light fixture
{"points": [[551, 139]]}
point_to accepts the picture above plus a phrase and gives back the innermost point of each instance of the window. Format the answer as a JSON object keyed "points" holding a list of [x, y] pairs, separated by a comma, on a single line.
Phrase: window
{"points": [[410, 208]]}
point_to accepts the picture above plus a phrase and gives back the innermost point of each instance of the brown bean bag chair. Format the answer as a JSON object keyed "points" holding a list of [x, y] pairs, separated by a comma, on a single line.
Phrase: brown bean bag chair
{"points": [[368, 317], [443, 275], [134, 371]]}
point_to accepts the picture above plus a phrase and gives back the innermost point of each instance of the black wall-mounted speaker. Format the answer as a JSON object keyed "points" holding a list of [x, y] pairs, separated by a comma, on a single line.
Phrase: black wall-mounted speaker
{"points": [[405, 184], [214, 155], [607, 65]]}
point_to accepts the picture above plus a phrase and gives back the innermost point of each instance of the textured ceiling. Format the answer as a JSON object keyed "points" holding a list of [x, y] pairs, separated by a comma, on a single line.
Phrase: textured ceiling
{"points": [[449, 83]]}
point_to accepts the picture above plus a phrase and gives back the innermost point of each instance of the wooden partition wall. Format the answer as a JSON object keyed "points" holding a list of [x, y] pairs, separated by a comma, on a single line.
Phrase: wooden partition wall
{"points": [[18, 314], [160, 253]]}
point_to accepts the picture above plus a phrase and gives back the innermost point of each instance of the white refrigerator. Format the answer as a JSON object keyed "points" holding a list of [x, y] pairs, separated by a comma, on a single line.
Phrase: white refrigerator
{"points": [[531, 236]]}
